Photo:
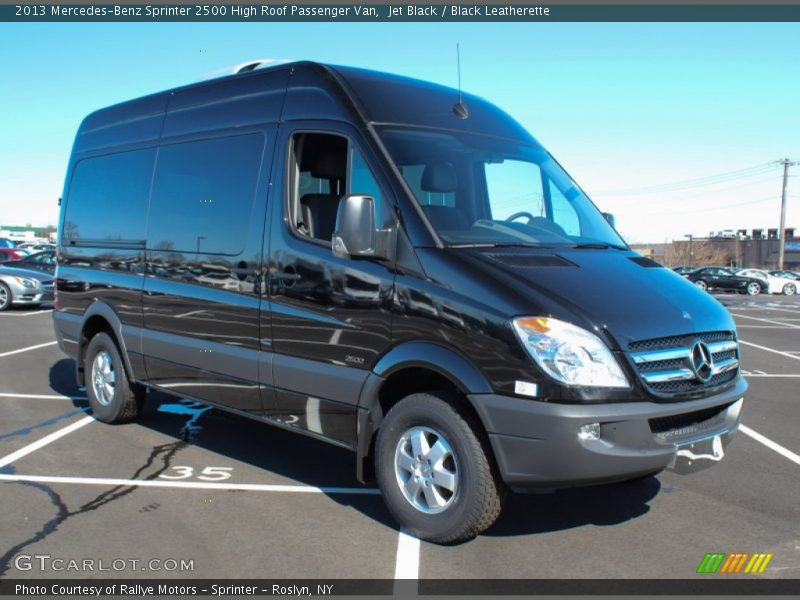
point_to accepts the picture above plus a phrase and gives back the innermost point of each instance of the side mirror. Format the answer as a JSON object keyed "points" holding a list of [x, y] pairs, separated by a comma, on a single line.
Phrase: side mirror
{"points": [[359, 234], [611, 219]]}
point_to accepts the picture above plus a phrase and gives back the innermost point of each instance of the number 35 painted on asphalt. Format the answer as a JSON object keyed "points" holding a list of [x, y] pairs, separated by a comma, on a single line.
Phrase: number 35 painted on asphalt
{"points": [[207, 474]]}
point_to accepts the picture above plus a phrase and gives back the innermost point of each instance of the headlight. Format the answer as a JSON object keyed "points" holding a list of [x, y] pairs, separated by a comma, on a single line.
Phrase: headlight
{"points": [[25, 282], [568, 353]]}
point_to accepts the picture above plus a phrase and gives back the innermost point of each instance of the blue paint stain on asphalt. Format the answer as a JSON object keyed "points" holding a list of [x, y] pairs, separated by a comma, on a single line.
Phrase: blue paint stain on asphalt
{"points": [[195, 410]]}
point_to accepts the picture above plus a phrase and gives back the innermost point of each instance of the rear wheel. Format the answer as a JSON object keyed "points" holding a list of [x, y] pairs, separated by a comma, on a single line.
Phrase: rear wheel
{"points": [[701, 284], [789, 289], [112, 397], [753, 288], [436, 475], [5, 297]]}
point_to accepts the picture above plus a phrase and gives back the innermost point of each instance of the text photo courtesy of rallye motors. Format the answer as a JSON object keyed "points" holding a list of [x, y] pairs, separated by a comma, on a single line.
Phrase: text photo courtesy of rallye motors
{"points": [[391, 267]]}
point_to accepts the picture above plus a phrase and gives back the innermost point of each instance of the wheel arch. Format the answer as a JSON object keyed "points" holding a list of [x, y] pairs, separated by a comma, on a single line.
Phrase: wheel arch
{"points": [[100, 316], [410, 368]]}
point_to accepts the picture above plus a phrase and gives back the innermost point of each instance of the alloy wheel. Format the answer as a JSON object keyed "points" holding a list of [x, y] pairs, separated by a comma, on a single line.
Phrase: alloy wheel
{"points": [[426, 470], [103, 378]]}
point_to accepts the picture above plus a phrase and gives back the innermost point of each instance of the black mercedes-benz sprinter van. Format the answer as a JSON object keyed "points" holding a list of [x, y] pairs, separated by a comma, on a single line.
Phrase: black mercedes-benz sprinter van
{"points": [[382, 264]]}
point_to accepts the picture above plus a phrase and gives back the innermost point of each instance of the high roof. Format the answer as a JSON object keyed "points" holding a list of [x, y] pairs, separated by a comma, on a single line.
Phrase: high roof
{"points": [[289, 91]]}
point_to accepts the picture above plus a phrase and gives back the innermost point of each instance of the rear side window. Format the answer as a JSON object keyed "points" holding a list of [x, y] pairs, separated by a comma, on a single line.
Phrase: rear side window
{"points": [[108, 199], [203, 195]]}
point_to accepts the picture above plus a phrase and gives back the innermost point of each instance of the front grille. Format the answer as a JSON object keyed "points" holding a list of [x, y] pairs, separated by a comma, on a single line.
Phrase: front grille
{"points": [[688, 423], [666, 365]]}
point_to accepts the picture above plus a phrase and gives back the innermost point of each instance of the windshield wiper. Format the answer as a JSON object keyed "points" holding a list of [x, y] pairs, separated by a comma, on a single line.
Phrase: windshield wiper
{"points": [[598, 246], [500, 245]]}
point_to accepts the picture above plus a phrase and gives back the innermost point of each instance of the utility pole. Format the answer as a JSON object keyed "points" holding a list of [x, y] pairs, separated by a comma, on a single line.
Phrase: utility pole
{"points": [[782, 231], [691, 254]]}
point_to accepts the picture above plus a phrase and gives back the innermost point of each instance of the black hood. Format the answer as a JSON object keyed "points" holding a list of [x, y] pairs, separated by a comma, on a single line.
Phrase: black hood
{"points": [[631, 297]]}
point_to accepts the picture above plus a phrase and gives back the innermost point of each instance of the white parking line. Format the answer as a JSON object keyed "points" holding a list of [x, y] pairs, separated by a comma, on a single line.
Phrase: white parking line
{"points": [[795, 458], [778, 308], [27, 349], [194, 485], [781, 352], [407, 562], [42, 396], [7, 460], [26, 314], [788, 325], [745, 326], [773, 375]]}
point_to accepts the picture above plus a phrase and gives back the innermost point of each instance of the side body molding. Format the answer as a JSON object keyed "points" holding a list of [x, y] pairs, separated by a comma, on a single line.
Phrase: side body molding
{"points": [[435, 357]]}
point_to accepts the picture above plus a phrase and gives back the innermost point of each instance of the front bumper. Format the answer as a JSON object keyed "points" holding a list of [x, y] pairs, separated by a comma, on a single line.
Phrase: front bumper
{"points": [[536, 443], [25, 296]]}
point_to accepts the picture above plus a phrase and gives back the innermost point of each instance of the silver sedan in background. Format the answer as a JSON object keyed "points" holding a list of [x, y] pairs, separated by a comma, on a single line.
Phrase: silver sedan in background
{"points": [[23, 287]]}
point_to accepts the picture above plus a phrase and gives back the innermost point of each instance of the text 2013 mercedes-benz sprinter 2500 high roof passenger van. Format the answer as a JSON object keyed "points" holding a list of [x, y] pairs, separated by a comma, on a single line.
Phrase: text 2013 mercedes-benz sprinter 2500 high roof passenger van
{"points": [[368, 260]]}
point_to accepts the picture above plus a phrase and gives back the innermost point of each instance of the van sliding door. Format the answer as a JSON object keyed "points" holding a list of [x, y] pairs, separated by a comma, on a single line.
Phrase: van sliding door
{"points": [[203, 290]]}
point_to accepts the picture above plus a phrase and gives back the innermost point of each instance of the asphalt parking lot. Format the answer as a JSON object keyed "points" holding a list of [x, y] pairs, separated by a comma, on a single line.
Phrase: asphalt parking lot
{"points": [[242, 500]]}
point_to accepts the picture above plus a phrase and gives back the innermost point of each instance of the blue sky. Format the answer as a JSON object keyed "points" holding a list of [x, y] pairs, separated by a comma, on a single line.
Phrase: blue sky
{"points": [[626, 108]]}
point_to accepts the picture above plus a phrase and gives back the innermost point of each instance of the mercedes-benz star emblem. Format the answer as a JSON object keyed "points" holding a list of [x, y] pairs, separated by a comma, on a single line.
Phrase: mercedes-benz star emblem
{"points": [[702, 362]]}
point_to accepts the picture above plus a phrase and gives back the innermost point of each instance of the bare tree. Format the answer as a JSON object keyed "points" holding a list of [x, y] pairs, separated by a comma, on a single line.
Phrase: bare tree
{"points": [[704, 253]]}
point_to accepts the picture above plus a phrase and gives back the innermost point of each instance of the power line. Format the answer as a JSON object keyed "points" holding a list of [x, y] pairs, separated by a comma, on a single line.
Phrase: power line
{"points": [[679, 196], [696, 182], [701, 210]]}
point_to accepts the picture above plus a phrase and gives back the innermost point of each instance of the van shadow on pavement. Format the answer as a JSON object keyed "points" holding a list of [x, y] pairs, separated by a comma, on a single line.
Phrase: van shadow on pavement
{"points": [[311, 462]]}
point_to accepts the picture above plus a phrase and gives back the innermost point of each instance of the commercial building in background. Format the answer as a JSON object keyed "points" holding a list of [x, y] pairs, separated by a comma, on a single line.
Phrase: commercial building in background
{"points": [[755, 248], [28, 233]]}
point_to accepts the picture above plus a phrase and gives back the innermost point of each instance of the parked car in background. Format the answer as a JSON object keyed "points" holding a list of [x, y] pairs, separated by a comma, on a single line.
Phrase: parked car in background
{"points": [[21, 287], [793, 275], [38, 261], [37, 246], [720, 278], [7, 243], [11, 254], [775, 283]]}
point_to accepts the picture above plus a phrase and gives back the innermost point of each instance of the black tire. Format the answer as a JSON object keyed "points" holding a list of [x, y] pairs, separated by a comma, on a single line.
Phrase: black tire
{"points": [[701, 284], [126, 398], [753, 288], [479, 494], [5, 297], [789, 289]]}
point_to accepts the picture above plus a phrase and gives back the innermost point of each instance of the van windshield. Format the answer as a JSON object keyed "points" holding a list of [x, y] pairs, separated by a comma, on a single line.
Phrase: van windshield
{"points": [[477, 189]]}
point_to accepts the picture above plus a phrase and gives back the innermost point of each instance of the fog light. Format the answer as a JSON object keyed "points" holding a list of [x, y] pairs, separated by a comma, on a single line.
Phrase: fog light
{"points": [[590, 431]]}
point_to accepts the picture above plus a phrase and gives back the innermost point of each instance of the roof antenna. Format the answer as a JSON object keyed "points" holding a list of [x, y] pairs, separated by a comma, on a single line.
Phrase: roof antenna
{"points": [[459, 108]]}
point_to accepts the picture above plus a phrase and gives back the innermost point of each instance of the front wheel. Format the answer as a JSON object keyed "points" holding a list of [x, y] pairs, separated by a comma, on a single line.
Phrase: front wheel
{"points": [[789, 289], [753, 288], [701, 284], [436, 475], [5, 297]]}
